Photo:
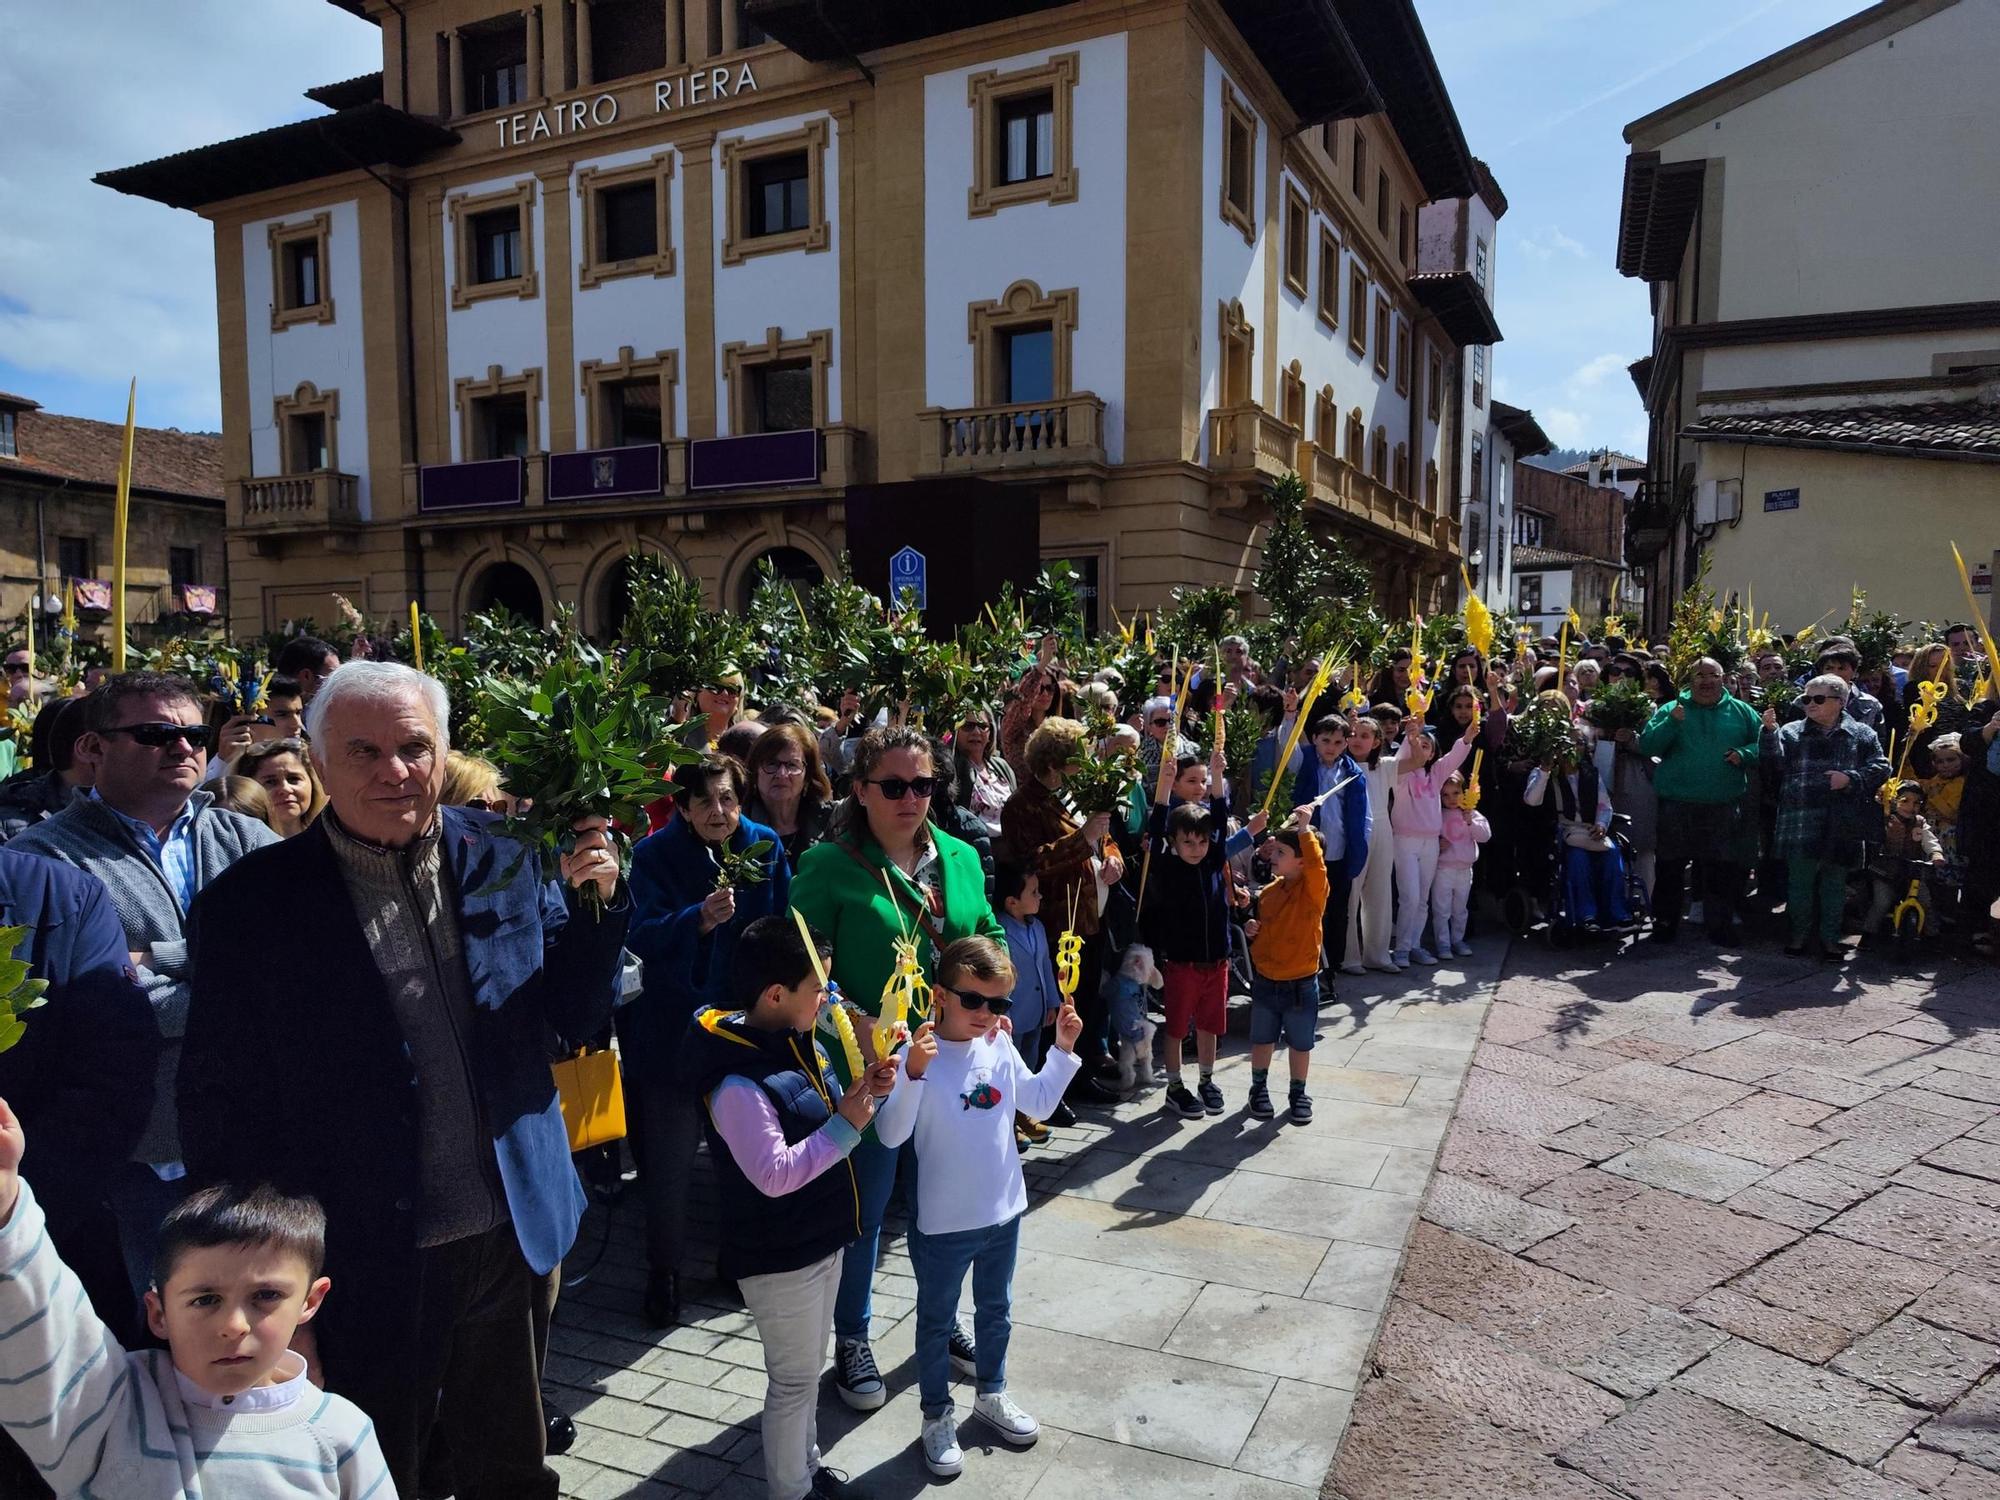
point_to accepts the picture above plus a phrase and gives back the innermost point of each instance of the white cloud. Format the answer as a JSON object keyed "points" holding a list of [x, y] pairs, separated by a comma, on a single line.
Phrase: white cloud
{"points": [[1546, 243], [97, 286], [1594, 374]]}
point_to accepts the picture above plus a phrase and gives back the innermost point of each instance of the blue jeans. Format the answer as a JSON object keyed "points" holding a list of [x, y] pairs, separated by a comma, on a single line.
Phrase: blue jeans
{"points": [[1287, 1007], [940, 1261], [875, 1175]]}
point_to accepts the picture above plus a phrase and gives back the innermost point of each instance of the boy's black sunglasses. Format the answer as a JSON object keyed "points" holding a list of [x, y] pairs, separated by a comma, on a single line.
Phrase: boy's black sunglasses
{"points": [[159, 736], [998, 1004], [896, 788]]}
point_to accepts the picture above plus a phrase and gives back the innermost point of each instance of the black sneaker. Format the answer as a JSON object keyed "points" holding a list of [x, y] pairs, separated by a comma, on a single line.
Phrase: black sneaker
{"points": [[1260, 1102], [1302, 1107], [964, 1355], [1182, 1103], [1061, 1116], [855, 1376], [831, 1484], [1211, 1096]]}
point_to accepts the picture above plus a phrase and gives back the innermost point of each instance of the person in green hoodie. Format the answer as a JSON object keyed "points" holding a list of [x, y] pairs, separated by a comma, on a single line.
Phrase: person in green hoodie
{"points": [[1706, 741], [884, 873]]}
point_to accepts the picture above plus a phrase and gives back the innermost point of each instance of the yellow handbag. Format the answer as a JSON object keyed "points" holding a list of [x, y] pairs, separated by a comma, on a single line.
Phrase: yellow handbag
{"points": [[592, 1096]]}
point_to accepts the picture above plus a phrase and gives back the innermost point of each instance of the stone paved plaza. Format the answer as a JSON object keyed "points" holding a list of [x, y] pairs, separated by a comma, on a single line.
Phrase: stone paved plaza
{"points": [[1192, 1310], [1703, 1225]]}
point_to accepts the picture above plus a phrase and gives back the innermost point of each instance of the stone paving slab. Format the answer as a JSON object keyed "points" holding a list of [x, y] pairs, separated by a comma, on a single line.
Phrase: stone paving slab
{"points": [[1193, 1305], [1781, 1272]]}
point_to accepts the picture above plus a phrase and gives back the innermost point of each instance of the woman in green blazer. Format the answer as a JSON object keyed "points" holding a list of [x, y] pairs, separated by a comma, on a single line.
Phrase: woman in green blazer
{"points": [[884, 870]]}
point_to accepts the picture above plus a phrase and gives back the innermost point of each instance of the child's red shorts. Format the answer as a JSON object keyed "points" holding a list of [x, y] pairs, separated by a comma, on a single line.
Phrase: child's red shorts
{"points": [[1197, 993]]}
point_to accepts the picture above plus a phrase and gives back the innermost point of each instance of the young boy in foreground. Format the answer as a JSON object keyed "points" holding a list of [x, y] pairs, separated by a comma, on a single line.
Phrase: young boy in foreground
{"points": [[228, 1411]]}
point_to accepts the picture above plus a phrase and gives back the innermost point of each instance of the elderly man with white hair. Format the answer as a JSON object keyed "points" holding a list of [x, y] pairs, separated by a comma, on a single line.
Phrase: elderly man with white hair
{"points": [[398, 1071], [1829, 766]]}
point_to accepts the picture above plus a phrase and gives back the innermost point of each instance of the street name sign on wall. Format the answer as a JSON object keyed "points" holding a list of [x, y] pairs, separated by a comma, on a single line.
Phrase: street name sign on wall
{"points": [[1781, 499]]}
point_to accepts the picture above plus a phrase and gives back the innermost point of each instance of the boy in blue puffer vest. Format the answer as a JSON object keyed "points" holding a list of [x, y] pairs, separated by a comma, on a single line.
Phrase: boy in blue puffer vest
{"points": [[780, 1131]]}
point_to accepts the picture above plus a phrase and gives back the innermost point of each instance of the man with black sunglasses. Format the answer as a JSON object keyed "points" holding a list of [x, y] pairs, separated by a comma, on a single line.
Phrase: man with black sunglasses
{"points": [[155, 839]]}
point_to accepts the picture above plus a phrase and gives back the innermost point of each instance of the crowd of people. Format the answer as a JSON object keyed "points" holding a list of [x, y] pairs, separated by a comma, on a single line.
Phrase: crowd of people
{"points": [[290, 1097]]}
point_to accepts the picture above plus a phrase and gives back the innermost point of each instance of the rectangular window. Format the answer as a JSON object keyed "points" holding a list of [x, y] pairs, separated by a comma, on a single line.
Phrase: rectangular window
{"points": [[9, 447], [1403, 236], [1298, 223], [1478, 374], [1530, 596], [496, 245], [496, 65], [1028, 364], [1329, 138], [1402, 357], [1436, 398], [1382, 202], [183, 567], [73, 557], [1382, 326], [628, 222], [301, 274], [1357, 308], [632, 412], [1239, 164], [1329, 278], [307, 453], [780, 200], [1479, 263], [500, 425], [1027, 138], [1478, 467], [1358, 176], [781, 396], [626, 37]]}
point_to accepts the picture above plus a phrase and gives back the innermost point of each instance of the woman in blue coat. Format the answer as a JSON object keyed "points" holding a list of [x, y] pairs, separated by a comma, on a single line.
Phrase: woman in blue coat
{"points": [[688, 912]]}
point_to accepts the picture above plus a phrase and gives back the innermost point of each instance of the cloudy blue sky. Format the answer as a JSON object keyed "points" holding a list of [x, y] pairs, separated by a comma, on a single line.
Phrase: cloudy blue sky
{"points": [[95, 287]]}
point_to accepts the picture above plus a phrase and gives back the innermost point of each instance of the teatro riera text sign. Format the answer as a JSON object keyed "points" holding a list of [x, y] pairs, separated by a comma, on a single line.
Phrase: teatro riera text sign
{"points": [[689, 89]]}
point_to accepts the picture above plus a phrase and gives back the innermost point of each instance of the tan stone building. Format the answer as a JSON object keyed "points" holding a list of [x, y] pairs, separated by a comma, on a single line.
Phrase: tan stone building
{"points": [[695, 275], [58, 492]]}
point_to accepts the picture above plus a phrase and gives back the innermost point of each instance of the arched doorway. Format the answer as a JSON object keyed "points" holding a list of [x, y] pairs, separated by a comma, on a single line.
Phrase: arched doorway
{"points": [[791, 565], [614, 599], [508, 585]]}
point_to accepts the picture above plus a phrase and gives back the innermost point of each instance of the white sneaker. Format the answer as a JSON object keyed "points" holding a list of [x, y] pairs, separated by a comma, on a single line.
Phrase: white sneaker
{"points": [[1399, 961], [1355, 967], [942, 1455], [1015, 1426], [1461, 950], [1422, 956]]}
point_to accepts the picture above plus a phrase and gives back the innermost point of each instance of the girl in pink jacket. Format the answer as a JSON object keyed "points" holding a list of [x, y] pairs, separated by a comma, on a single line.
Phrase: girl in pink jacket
{"points": [[1418, 819], [1458, 850]]}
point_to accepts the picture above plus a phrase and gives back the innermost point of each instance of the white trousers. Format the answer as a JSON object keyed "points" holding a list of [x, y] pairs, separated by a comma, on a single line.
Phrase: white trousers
{"points": [[794, 1313], [1416, 867], [1370, 903], [1451, 897]]}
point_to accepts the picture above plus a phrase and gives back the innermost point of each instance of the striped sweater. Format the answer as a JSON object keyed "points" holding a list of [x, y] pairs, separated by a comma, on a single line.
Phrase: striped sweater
{"points": [[99, 1421]]}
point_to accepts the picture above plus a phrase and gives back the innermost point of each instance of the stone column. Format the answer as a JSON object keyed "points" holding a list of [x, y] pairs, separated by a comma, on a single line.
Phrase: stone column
{"points": [[531, 21], [457, 69], [703, 38], [585, 68], [698, 208], [729, 25], [675, 33]]}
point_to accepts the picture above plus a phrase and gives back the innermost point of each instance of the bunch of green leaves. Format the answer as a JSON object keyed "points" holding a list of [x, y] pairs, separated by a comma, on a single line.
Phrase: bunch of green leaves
{"points": [[1197, 620], [845, 619], [897, 651], [1876, 633], [1700, 627], [18, 993], [780, 666], [735, 868], [679, 643], [946, 682], [1242, 728], [582, 738], [1543, 731], [1053, 604], [1101, 783], [1802, 654], [1778, 695], [1624, 704]]}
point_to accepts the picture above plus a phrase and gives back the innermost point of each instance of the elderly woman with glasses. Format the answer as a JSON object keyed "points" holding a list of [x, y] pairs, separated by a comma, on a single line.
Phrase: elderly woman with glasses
{"points": [[1829, 767], [985, 780], [789, 792], [884, 875]]}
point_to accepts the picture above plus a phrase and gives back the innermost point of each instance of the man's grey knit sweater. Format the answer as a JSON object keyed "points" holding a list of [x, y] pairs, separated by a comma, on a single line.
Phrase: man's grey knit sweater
{"points": [[408, 910]]}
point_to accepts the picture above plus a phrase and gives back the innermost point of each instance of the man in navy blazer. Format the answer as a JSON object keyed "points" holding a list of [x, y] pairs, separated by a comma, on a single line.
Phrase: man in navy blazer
{"points": [[398, 1070]]}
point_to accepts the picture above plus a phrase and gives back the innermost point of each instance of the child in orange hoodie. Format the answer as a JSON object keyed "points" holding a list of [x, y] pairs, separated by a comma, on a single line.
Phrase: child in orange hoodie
{"points": [[1284, 954]]}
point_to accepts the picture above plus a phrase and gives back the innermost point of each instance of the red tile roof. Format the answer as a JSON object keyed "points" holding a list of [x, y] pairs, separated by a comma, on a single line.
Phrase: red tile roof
{"points": [[1944, 429], [164, 462]]}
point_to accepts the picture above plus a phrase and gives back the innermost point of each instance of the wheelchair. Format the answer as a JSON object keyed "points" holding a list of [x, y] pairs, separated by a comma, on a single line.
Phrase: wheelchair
{"points": [[1540, 904]]}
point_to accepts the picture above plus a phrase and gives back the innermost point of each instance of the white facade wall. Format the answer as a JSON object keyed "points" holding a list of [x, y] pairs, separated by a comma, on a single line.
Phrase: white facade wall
{"points": [[1817, 361], [649, 313], [327, 354], [1867, 183], [795, 291], [1055, 245], [1556, 596], [511, 332], [1230, 268]]}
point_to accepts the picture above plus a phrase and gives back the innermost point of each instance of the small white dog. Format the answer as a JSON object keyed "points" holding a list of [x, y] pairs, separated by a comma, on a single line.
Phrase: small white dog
{"points": [[1131, 1029]]}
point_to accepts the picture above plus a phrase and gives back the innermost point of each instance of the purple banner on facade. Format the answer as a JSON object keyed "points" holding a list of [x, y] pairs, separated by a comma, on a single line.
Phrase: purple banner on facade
{"points": [[484, 484], [757, 460], [606, 473]]}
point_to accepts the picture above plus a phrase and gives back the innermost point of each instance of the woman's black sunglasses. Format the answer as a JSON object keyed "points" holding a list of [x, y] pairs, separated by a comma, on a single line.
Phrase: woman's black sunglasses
{"points": [[896, 788], [159, 736]]}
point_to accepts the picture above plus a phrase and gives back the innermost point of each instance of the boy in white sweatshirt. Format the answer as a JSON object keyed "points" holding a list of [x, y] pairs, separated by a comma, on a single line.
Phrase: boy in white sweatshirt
{"points": [[228, 1414], [970, 1193]]}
